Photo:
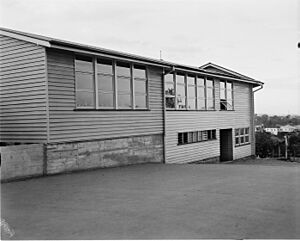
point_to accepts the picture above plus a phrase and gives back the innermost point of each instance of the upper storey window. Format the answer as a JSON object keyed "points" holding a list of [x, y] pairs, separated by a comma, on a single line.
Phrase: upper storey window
{"points": [[108, 84], [226, 95], [84, 78], [189, 92]]}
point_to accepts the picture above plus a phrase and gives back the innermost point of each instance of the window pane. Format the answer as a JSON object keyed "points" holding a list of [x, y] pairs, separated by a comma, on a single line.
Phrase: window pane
{"points": [[170, 102], [185, 137], [200, 81], [140, 86], [229, 86], [105, 82], [222, 85], [192, 104], [204, 135], [191, 80], [169, 89], [180, 90], [229, 105], [209, 93], [85, 99], [124, 101], [210, 104], [242, 139], [190, 137], [191, 91], [201, 92], [180, 79], [124, 85], [242, 131], [104, 66], [237, 132], [84, 64], [180, 138], [214, 134], [201, 104], [237, 140], [246, 130], [139, 72], [84, 81], [106, 99], [199, 136], [140, 101], [169, 78], [229, 94], [246, 139], [195, 136], [181, 103], [123, 69], [209, 83], [222, 94]]}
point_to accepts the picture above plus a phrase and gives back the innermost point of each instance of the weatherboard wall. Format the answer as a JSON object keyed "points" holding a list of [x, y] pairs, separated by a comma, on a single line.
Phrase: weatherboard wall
{"points": [[23, 111], [185, 121], [67, 124]]}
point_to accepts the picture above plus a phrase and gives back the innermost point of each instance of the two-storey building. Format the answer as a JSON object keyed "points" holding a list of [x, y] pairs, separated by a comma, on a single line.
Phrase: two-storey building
{"points": [[92, 107]]}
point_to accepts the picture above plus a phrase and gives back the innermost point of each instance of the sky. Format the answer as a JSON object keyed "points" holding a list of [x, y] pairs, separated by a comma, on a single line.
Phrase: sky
{"points": [[257, 38]]}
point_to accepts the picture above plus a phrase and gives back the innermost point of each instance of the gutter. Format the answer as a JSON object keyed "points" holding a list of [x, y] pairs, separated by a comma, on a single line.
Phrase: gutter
{"points": [[261, 86]]}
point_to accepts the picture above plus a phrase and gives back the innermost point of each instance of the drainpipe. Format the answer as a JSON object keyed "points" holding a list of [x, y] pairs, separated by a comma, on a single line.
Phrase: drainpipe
{"points": [[253, 121], [164, 110]]}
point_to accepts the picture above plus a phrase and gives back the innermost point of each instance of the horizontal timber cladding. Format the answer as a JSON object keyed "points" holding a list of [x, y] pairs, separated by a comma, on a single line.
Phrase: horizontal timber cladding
{"points": [[22, 92], [185, 121], [67, 124]]}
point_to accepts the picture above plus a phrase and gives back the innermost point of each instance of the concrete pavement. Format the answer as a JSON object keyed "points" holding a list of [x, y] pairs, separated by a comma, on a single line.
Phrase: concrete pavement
{"points": [[157, 201]]}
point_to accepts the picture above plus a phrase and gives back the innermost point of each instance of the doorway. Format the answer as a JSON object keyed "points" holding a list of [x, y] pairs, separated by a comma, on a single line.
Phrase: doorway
{"points": [[226, 148]]}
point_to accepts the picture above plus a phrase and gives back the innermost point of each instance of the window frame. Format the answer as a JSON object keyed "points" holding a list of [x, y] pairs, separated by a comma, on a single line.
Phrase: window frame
{"points": [[190, 137], [114, 91], [241, 134], [226, 98]]}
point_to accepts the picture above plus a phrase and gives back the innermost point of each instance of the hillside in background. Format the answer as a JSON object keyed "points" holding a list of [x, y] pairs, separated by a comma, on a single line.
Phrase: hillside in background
{"points": [[276, 121]]}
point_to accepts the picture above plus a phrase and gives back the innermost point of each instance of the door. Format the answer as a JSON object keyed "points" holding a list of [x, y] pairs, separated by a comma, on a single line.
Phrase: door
{"points": [[226, 148]]}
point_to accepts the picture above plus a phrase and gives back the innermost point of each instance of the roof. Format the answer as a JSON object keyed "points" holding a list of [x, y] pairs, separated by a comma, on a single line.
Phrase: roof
{"points": [[49, 42]]}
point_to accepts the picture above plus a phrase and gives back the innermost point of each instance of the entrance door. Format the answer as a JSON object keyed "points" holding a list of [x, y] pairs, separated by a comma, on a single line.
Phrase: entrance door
{"points": [[226, 148]]}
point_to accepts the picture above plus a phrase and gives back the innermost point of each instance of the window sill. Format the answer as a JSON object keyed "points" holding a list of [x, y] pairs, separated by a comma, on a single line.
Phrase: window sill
{"points": [[226, 110], [246, 144], [78, 109], [188, 110]]}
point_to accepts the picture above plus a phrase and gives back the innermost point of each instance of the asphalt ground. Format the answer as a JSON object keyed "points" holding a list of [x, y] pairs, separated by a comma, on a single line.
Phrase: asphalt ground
{"points": [[258, 200]]}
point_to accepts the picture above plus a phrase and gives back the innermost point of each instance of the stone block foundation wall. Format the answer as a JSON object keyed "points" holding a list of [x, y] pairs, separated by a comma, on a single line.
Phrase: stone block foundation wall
{"points": [[104, 153], [22, 161]]}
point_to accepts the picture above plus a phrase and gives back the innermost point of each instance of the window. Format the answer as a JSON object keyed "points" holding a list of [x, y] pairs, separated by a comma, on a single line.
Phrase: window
{"points": [[84, 82], [226, 95], [104, 83], [210, 94], [191, 82], [242, 136], [201, 95], [191, 92], [170, 91], [196, 136], [181, 91], [140, 86], [124, 85]]}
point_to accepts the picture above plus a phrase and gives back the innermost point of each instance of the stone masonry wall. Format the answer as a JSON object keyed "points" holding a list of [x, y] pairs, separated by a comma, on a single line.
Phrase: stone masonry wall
{"points": [[104, 153], [21, 161]]}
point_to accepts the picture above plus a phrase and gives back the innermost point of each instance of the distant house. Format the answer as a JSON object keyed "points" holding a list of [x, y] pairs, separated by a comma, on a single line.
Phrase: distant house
{"points": [[287, 128], [273, 131], [92, 107]]}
